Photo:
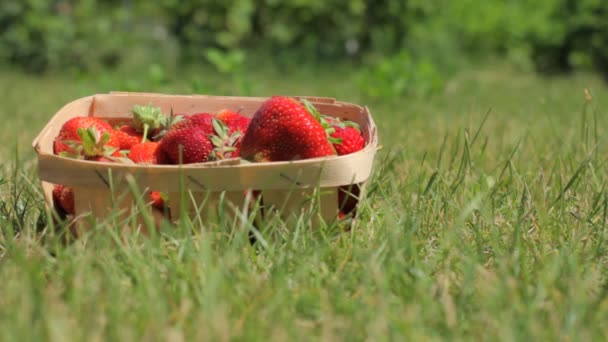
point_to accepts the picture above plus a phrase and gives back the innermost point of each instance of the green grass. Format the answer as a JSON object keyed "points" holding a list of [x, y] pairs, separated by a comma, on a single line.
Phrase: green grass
{"points": [[477, 226]]}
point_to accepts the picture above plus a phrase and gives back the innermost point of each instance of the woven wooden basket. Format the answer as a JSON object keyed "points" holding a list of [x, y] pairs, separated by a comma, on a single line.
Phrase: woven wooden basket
{"points": [[284, 185]]}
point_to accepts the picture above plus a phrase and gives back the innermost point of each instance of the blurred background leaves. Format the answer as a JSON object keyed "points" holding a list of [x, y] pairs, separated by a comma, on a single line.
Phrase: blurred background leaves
{"points": [[400, 47]]}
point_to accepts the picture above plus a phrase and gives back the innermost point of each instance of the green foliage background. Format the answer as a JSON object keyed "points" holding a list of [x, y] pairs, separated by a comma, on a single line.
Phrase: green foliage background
{"points": [[403, 46]]}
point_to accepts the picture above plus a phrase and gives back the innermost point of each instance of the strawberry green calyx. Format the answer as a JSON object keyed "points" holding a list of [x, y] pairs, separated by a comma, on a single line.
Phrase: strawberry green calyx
{"points": [[336, 122], [348, 123], [93, 144], [331, 125], [349, 136], [223, 142], [326, 121], [148, 119], [312, 110], [329, 121], [341, 124], [167, 122]]}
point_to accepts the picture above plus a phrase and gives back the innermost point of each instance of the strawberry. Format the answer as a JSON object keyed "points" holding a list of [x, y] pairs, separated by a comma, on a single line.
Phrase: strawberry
{"points": [[57, 189], [68, 135], [67, 200], [346, 137], [192, 134], [151, 122], [146, 153], [201, 138], [234, 120], [92, 144], [236, 123], [64, 197], [199, 119], [159, 200], [283, 129], [128, 136]]}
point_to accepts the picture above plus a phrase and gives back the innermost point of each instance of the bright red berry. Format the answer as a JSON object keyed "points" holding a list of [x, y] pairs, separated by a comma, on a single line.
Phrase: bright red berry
{"points": [[200, 137], [283, 129], [57, 189], [234, 120], [63, 196], [69, 133], [236, 123], [350, 140], [146, 153], [128, 136], [158, 200], [87, 138], [67, 200], [191, 136]]}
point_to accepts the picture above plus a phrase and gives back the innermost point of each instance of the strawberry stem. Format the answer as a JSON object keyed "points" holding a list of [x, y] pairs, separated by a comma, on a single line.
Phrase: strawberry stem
{"points": [[166, 124], [148, 118], [311, 109], [145, 133]]}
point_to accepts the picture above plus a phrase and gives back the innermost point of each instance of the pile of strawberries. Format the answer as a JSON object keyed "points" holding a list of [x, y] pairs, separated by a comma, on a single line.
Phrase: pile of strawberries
{"points": [[282, 129]]}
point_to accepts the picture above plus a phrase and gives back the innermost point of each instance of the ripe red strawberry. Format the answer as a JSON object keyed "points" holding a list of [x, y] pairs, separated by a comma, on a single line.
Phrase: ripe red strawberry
{"points": [[345, 138], [201, 138], [192, 134], [57, 189], [348, 139], [158, 200], [146, 153], [283, 129], [67, 200], [64, 197], [199, 119], [93, 145], [234, 120], [128, 136], [68, 135], [236, 123]]}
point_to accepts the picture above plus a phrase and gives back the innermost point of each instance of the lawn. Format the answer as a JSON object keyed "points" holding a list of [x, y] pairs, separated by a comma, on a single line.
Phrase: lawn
{"points": [[486, 219]]}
